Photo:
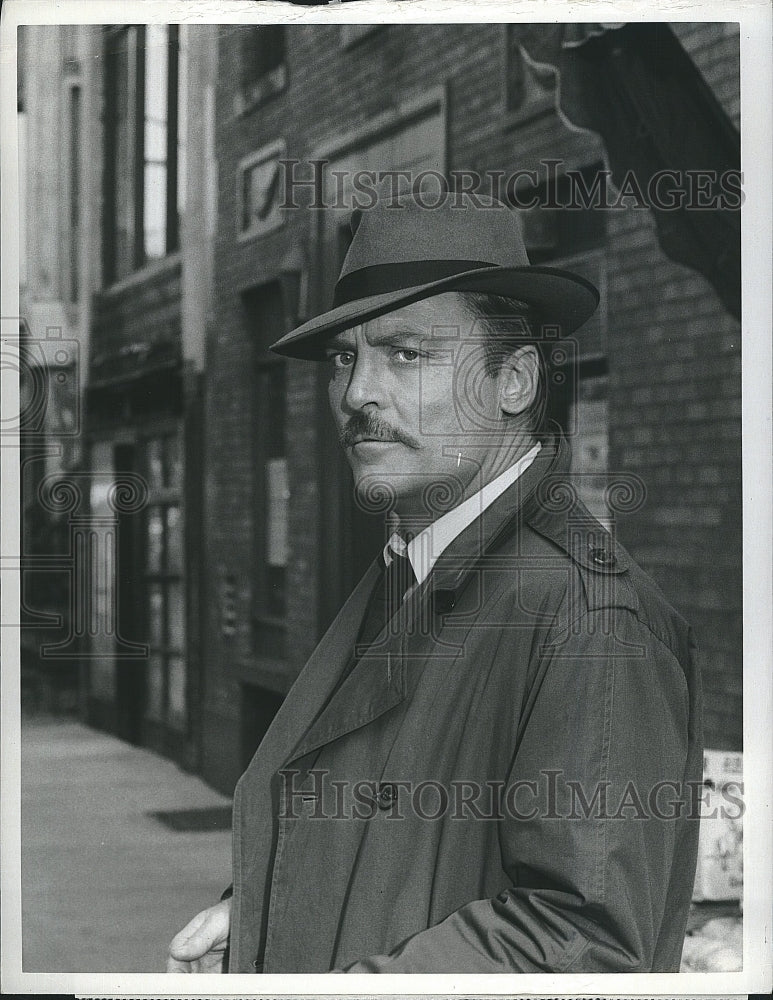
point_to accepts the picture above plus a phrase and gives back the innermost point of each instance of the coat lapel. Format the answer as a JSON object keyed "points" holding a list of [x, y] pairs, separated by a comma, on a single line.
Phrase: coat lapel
{"points": [[375, 684], [300, 710]]}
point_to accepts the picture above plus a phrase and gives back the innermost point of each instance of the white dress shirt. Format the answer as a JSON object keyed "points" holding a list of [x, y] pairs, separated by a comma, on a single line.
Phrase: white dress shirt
{"points": [[426, 548]]}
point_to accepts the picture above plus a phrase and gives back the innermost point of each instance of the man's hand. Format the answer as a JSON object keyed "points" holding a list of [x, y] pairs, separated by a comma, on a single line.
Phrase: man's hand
{"points": [[200, 946]]}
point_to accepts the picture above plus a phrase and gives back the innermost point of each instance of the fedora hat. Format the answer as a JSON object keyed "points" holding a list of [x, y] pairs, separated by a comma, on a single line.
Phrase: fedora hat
{"points": [[403, 251]]}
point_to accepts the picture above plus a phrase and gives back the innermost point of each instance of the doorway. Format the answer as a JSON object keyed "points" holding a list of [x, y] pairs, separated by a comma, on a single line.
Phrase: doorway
{"points": [[259, 706]]}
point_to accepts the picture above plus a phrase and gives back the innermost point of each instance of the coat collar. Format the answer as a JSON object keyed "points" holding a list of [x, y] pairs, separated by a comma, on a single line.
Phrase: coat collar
{"points": [[544, 498]]}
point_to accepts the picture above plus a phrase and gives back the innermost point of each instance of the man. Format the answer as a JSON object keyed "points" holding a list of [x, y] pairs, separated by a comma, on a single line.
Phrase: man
{"points": [[486, 764]]}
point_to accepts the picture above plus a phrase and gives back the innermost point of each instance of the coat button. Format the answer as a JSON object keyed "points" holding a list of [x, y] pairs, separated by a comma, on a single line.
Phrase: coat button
{"points": [[387, 794], [445, 601], [601, 556]]}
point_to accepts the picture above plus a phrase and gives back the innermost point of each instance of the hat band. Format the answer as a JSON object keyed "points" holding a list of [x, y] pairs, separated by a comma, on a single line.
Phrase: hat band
{"points": [[378, 279]]}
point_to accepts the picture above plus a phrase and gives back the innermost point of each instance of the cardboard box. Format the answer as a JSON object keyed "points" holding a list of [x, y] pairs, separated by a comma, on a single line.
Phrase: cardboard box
{"points": [[719, 874]]}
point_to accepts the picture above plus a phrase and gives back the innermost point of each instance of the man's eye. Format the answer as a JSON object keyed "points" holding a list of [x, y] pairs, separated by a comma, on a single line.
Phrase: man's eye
{"points": [[342, 359], [407, 355]]}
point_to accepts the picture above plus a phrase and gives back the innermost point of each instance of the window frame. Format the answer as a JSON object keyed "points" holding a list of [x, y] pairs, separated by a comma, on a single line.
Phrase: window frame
{"points": [[138, 258], [273, 151], [74, 131], [161, 498]]}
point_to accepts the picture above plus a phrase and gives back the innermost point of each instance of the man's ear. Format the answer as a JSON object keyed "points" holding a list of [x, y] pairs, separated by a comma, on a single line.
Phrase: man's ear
{"points": [[518, 381]]}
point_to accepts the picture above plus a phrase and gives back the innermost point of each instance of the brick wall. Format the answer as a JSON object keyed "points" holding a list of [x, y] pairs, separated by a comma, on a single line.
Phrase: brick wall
{"points": [[674, 355], [675, 420]]}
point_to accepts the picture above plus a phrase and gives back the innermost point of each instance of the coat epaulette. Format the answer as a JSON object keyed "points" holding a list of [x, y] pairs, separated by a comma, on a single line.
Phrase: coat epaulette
{"points": [[602, 563]]}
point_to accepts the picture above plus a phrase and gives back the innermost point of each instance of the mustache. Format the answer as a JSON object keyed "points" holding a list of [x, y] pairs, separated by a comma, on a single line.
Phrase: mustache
{"points": [[367, 425]]}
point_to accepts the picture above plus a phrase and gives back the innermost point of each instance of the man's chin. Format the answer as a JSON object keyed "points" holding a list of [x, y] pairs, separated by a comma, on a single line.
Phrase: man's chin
{"points": [[432, 493], [375, 492]]}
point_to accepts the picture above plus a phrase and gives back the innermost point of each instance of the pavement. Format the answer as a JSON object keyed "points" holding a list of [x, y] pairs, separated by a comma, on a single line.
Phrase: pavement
{"points": [[105, 886]]}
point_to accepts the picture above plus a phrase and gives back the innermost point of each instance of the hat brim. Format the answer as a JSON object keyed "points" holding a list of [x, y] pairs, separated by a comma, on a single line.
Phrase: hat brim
{"points": [[560, 298]]}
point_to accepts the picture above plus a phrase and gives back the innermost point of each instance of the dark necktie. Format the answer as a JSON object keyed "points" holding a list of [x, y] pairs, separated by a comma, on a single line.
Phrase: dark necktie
{"points": [[396, 579]]}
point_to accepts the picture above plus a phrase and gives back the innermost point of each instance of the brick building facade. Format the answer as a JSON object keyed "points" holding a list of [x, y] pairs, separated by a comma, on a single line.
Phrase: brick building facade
{"points": [[117, 188], [151, 104], [248, 540], [659, 391]]}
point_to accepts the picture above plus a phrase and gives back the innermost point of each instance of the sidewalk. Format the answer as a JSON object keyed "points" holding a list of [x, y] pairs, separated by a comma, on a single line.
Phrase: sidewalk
{"points": [[105, 886]]}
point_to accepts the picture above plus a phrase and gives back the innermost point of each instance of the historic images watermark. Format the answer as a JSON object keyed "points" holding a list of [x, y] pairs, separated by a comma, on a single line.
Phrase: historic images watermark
{"points": [[550, 187], [550, 795]]}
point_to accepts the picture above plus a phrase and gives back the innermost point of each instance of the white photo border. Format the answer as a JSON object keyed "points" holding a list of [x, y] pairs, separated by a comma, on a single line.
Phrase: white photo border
{"points": [[754, 17]]}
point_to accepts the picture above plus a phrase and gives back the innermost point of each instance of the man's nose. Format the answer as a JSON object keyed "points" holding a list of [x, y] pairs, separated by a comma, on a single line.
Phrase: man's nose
{"points": [[364, 386]]}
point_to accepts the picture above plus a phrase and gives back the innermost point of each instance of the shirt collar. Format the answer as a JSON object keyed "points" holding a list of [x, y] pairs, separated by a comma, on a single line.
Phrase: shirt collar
{"points": [[426, 548]]}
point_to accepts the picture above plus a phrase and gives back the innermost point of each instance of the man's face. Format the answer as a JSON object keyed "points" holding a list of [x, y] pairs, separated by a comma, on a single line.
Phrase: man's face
{"points": [[413, 404]]}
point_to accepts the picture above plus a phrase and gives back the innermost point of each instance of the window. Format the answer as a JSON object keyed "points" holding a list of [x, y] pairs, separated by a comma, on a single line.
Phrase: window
{"points": [[262, 70], [103, 593], [265, 315], [74, 200], [21, 124], [69, 47], [144, 122], [163, 579], [21, 70], [259, 192]]}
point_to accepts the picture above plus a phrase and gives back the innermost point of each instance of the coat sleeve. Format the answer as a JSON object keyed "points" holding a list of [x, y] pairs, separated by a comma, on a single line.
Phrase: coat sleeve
{"points": [[587, 845]]}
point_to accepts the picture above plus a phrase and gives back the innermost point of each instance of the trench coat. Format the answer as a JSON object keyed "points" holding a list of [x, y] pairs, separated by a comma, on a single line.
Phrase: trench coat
{"points": [[502, 781]]}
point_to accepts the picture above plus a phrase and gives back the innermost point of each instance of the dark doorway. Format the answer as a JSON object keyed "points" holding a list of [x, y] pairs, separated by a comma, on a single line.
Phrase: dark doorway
{"points": [[365, 533], [130, 673], [259, 706]]}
